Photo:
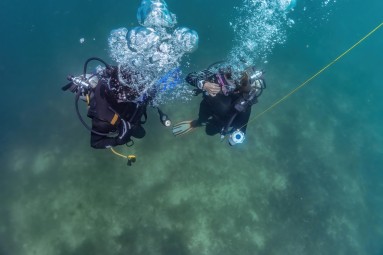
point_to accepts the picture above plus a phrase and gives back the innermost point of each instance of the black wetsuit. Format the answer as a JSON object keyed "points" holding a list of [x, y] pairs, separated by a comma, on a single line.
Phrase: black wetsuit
{"points": [[108, 116], [217, 111]]}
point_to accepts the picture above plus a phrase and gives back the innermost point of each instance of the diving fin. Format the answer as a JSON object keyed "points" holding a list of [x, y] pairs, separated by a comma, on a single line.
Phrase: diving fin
{"points": [[183, 127]]}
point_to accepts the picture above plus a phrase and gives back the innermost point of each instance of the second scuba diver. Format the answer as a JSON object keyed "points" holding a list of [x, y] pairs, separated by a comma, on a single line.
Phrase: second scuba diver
{"points": [[226, 103]]}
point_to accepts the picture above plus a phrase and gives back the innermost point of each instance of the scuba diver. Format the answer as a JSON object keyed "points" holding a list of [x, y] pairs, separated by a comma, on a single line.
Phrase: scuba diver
{"points": [[116, 107], [226, 103]]}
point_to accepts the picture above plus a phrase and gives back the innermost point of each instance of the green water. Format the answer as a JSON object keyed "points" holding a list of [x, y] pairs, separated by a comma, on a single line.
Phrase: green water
{"points": [[308, 179]]}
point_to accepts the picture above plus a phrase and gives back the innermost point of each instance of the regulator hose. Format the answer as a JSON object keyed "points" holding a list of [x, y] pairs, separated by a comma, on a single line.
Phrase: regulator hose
{"points": [[82, 120], [97, 59]]}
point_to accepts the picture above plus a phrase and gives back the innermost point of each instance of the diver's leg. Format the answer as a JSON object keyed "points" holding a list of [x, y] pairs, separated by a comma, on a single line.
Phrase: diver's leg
{"points": [[138, 132], [213, 127], [204, 114]]}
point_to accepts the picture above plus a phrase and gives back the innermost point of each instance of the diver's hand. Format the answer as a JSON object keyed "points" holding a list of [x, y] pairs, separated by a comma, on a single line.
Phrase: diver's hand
{"points": [[211, 88], [124, 132]]}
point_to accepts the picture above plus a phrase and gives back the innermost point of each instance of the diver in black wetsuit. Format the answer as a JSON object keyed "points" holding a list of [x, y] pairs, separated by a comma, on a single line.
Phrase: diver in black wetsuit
{"points": [[110, 117], [117, 111], [226, 103], [112, 110]]}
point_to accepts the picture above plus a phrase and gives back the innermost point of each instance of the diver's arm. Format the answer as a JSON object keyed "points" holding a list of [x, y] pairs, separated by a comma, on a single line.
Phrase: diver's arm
{"points": [[211, 88], [204, 81], [197, 79]]}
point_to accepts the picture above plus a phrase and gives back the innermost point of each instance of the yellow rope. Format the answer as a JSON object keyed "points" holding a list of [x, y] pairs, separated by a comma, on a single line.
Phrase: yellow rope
{"points": [[314, 76]]}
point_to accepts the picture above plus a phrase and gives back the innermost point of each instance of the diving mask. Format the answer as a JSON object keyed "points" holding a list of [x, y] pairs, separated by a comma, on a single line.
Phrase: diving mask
{"points": [[225, 81]]}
